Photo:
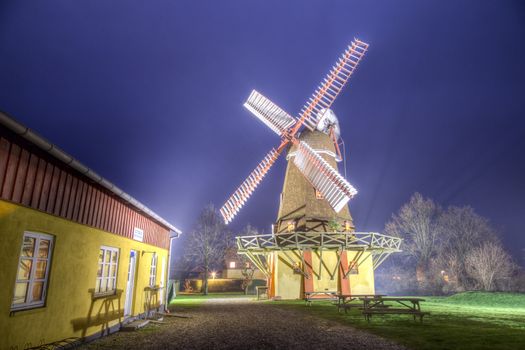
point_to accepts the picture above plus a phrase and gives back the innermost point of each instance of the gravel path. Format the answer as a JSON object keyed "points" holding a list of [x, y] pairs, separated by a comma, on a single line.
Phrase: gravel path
{"points": [[243, 324]]}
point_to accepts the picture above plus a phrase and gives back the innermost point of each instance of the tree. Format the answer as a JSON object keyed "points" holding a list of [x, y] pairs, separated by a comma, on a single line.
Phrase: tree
{"points": [[487, 263], [462, 230], [208, 243], [416, 222]]}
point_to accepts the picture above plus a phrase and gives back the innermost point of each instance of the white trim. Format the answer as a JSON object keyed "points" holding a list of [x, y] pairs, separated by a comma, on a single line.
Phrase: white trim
{"points": [[153, 270], [111, 281], [31, 279]]}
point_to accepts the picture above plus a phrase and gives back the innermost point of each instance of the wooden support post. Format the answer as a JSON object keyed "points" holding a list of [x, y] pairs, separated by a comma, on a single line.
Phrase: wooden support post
{"points": [[307, 261], [344, 281]]}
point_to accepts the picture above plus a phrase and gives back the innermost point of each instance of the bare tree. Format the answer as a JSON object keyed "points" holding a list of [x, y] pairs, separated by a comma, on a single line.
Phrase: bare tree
{"points": [[488, 263], [416, 222], [208, 243], [462, 230]]}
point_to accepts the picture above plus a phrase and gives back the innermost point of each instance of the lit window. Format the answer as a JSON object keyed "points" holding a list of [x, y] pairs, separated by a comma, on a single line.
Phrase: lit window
{"points": [[291, 226], [318, 194], [33, 271], [153, 270], [348, 227], [107, 270], [232, 264]]}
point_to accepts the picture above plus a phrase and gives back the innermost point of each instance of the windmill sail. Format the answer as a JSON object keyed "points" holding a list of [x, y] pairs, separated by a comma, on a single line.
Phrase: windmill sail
{"points": [[331, 86], [269, 113], [241, 195], [334, 188]]}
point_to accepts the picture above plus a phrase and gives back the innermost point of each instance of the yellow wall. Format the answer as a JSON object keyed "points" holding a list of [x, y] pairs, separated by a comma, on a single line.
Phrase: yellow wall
{"points": [[288, 285], [69, 310]]}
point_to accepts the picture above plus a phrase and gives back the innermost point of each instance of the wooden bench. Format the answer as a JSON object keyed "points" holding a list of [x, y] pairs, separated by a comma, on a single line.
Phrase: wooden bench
{"points": [[409, 306], [320, 296]]}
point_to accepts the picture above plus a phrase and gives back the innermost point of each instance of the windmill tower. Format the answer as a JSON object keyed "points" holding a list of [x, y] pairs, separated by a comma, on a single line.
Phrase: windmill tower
{"points": [[314, 247]]}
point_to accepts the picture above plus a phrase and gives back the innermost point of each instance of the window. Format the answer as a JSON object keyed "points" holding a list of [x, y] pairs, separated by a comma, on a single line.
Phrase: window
{"points": [[232, 264], [33, 271], [318, 194], [107, 270], [153, 271]]}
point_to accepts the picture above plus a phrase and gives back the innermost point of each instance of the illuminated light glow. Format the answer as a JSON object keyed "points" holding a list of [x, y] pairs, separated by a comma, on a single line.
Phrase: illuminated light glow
{"points": [[213, 274], [232, 264]]}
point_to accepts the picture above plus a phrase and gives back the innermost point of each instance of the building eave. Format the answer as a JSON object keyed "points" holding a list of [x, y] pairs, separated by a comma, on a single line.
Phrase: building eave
{"points": [[68, 160]]}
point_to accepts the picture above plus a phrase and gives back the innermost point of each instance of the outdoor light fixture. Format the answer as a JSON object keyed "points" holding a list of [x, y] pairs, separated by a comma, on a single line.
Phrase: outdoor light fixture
{"points": [[347, 226], [291, 226], [213, 274]]}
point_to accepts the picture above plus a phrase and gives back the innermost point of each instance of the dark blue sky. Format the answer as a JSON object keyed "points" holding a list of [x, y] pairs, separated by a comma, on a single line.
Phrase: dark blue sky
{"points": [[149, 94]]}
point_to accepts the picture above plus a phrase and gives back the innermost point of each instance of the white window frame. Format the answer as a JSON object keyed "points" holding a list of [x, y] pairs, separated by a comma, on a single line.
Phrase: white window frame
{"points": [[110, 280], [153, 270], [29, 304]]}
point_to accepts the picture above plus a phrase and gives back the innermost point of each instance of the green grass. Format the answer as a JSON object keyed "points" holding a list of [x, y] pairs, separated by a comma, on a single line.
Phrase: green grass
{"points": [[462, 321]]}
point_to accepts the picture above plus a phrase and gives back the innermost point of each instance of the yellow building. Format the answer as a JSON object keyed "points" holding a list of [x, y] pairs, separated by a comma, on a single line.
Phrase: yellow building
{"points": [[78, 256]]}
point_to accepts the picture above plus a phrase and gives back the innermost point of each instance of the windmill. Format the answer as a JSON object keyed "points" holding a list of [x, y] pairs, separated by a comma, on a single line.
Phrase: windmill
{"points": [[314, 232], [315, 115]]}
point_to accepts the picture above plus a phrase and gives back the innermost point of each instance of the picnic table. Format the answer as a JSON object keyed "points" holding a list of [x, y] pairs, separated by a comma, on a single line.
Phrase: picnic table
{"points": [[401, 305], [318, 296], [345, 300]]}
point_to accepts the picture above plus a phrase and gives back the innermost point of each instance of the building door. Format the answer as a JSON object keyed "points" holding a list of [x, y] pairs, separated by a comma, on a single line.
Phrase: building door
{"points": [[130, 284]]}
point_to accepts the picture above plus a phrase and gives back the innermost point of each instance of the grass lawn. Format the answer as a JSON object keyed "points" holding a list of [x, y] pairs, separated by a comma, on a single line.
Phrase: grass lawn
{"points": [[194, 299], [463, 321]]}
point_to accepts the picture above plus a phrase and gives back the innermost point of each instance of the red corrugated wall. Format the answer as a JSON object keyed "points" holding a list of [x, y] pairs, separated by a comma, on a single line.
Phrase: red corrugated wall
{"points": [[42, 183]]}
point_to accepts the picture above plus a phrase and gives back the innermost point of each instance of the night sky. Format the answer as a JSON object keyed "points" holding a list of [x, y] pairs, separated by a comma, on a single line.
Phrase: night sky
{"points": [[149, 94]]}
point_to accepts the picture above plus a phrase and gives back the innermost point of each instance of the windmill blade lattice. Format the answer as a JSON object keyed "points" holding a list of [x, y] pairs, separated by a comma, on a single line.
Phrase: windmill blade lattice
{"points": [[334, 188], [331, 86], [245, 190], [269, 113]]}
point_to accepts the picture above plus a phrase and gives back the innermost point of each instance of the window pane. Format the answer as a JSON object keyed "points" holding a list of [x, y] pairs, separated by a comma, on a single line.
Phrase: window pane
{"points": [[114, 256], [108, 256], [43, 248], [105, 273], [24, 270], [37, 293], [20, 293], [41, 269], [103, 284], [113, 270], [99, 272], [101, 256], [97, 286], [28, 247]]}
